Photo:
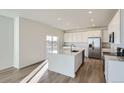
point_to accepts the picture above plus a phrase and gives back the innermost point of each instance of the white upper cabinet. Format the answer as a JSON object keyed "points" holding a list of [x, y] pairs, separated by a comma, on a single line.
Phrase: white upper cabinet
{"points": [[114, 26], [77, 37], [96, 33], [81, 36], [84, 36], [67, 37], [72, 37], [105, 36]]}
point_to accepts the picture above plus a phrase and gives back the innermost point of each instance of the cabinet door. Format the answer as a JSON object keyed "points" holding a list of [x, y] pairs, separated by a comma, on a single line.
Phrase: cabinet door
{"points": [[77, 37], [114, 26], [70, 37], [105, 36], [96, 33], [90, 33], [73, 37], [67, 37], [84, 36], [115, 72]]}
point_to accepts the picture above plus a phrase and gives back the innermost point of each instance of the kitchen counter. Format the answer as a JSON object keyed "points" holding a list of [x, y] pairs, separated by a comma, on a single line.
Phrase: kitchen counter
{"points": [[112, 57], [66, 52], [65, 62]]}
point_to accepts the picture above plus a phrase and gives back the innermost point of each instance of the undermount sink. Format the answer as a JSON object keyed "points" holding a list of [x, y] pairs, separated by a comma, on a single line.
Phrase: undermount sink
{"points": [[75, 51]]}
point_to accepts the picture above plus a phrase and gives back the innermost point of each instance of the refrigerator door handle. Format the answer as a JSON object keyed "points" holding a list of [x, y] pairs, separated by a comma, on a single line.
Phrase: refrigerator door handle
{"points": [[90, 45], [93, 45]]}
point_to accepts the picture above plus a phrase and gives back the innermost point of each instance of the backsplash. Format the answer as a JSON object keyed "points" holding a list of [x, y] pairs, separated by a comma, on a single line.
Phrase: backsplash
{"points": [[79, 45], [120, 45], [82, 44], [105, 45], [114, 47]]}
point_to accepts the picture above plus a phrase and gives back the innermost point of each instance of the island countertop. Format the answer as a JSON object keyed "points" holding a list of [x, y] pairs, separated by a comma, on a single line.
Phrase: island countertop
{"points": [[66, 52], [65, 62]]}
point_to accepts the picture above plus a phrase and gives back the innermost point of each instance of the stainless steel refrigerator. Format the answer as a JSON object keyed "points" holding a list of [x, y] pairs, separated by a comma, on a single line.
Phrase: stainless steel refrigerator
{"points": [[94, 47]]}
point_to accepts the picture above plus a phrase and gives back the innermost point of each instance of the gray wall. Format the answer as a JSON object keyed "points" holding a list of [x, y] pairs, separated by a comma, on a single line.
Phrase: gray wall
{"points": [[6, 42]]}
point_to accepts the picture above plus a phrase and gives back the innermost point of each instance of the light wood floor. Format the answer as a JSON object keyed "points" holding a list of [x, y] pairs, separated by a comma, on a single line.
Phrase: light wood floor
{"points": [[90, 72], [12, 75]]}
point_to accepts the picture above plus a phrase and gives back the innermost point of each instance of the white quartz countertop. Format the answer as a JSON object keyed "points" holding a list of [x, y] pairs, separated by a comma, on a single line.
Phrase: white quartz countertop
{"points": [[66, 52], [114, 58]]}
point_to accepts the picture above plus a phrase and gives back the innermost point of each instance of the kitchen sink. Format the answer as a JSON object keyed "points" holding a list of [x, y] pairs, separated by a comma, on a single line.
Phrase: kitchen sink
{"points": [[75, 51]]}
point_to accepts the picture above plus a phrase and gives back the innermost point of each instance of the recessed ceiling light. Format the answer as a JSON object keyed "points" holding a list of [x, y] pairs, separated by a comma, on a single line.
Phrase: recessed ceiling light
{"points": [[91, 19], [90, 12], [93, 25], [58, 18]]}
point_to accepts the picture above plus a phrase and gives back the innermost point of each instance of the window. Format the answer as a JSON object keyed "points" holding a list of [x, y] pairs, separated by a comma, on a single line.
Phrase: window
{"points": [[52, 44]]}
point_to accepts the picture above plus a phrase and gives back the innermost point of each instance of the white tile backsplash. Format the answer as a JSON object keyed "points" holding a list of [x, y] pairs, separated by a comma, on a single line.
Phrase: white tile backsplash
{"points": [[83, 45], [114, 47]]}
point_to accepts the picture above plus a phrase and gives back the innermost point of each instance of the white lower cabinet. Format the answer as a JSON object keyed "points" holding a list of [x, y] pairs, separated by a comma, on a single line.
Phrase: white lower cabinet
{"points": [[114, 71]]}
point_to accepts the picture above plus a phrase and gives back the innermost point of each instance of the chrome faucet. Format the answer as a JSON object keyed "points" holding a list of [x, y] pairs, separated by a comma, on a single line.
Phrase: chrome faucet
{"points": [[72, 45]]}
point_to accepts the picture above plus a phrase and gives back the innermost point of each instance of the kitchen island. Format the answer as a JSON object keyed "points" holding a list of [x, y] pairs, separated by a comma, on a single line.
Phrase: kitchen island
{"points": [[65, 62]]}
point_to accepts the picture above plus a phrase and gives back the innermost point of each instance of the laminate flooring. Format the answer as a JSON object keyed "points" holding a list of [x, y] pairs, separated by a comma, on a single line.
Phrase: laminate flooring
{"points": [[13, 75], [90, 72]]}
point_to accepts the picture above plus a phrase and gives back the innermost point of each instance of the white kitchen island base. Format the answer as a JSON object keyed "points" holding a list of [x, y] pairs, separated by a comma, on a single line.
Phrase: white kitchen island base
{"points": [[65, 62]]}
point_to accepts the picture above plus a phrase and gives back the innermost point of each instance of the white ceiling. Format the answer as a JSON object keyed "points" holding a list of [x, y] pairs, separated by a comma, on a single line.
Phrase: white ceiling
{"points": [[65, 19]]}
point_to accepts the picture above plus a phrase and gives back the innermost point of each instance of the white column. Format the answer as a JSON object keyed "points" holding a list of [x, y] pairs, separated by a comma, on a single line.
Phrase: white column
{"points": [[16, 42]]}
